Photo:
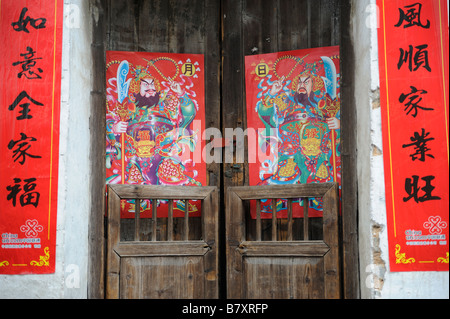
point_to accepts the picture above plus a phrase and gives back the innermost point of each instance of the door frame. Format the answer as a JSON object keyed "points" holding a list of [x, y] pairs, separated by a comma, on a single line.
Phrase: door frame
{"points": [[313, 263], [204, 250], [349, 205]]}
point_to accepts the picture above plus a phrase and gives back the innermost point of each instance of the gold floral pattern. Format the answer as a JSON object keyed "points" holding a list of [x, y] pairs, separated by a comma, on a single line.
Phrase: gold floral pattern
{"points": [[43, 260], [443, 260], [401, 257]]}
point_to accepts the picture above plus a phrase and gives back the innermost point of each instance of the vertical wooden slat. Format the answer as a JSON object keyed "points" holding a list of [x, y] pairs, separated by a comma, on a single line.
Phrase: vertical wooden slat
{"points": [[234, 236], [170, 221], [292, 30], [186, 220], [305, 219], [97, 151], [233, 85], [154, 218], [113, 265], [290, 220], [331, 238], [137, 219], [258, 220], [274, 219], [211, 50], [349, 138], [210, 234]]}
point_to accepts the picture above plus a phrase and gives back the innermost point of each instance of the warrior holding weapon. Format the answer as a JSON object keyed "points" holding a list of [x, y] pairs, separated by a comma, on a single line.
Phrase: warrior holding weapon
{"points": [[152, 124], [304, 112]]}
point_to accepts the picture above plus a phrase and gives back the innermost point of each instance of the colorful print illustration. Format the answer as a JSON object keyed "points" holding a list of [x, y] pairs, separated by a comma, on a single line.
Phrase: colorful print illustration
{"points": [[154, 120], [293, 101]]}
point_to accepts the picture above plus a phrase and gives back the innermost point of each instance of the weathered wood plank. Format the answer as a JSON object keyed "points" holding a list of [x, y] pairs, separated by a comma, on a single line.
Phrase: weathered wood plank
{"points": [[137, 218], [234, 236], [259, 23], [161, 192], [113, 266], [258, 220], [97, 120], [154, 218], [233, 87], [186, 220], [181, 248], [284, 278], [162, 277], [305, 219], [348, 156], [331, 237], [286, 248], [274, 219], [279, 191], [210, 213], [170, 221], [293, 25], [290, 220], [213, 59]]}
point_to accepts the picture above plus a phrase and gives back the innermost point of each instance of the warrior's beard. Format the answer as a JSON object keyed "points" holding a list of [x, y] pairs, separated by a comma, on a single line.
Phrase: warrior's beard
{"points": [[302, 98], [147, 101]]}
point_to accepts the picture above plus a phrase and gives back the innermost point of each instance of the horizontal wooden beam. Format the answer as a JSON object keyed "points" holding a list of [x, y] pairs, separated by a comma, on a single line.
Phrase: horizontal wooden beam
{"points": [[153, 249], [281, 191], [313, 248], [160, 192]]}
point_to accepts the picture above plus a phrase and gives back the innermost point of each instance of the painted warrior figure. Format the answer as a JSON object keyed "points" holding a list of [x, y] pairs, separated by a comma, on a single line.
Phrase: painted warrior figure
{"points": [[304, 114], [154, 124]]}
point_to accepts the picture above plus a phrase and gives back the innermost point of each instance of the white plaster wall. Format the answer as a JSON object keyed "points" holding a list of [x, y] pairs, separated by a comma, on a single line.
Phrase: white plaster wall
{"points": [[376, 279], [70, 277]]}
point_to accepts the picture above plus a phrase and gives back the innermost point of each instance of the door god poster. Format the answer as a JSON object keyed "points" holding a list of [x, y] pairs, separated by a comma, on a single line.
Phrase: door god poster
{"points": [[293, 105], [154, 119]]}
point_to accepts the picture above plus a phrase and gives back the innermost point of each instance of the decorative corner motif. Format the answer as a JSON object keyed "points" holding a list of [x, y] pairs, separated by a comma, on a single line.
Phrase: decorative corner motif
{"points": [[401, 257], [43, 260], [443, 260], [6, 263]]}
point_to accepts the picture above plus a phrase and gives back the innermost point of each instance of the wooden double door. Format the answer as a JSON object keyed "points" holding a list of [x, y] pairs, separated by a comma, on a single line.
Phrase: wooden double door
{"points": [[180, 257], [224, 253]]}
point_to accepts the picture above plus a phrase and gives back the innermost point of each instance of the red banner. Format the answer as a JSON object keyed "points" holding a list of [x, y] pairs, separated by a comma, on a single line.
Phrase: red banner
{"points": [[413, 57], [31, 37], [293, 122], [154, 120]]}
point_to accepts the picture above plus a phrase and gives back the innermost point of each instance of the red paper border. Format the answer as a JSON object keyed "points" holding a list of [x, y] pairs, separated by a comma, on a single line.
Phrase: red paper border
{"points": [[413, 246], [38, 258]]}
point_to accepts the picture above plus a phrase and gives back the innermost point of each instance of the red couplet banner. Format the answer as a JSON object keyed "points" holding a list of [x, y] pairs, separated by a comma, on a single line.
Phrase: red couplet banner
{"points": [[413, 58], [30, 85]]}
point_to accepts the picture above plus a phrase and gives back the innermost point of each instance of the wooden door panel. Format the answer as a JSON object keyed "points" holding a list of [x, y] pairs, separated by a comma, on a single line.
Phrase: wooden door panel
{"points": [[284, 278], [163, 268], [268, 26], [282, 268], [162, 277]]}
